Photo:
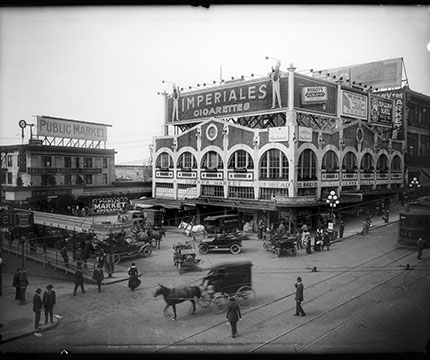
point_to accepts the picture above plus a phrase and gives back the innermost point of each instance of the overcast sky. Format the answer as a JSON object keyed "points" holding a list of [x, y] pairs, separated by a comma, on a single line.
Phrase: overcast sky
{"points": [[106, 64]]}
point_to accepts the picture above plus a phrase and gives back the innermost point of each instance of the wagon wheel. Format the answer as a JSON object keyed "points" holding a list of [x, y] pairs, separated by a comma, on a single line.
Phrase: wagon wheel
{"points": [[203, 302], [153, 243], [175, 261], [245, 296], [219, 304], [116, 258], [180, 268], [277, 252], [203, 249], [147, 251], [294, 251], [235, 249], [189, 261]]}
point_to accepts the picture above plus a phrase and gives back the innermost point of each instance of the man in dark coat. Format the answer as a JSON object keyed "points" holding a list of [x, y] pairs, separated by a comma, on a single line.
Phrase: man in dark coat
{"points": [[49, 299], [37, 308], [23, 283], [341, 229], [233, 315], [15, 283], [63, 253], [98, 277], [420, 247], [133, 281], [79, 281], [299, 297]]}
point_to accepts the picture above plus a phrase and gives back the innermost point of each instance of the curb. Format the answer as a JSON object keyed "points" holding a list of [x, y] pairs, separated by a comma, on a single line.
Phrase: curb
{"points": [[373, 228], [48, 327]]}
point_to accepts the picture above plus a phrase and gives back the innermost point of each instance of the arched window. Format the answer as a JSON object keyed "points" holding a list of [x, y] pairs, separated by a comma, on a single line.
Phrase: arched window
{"points": [[241, 159], [164, 161], [367, 162], [330, 161], [212, 160], [349, 162], [274, 165], [382, 163], [396, 163], [307, 165], [187, 161]]}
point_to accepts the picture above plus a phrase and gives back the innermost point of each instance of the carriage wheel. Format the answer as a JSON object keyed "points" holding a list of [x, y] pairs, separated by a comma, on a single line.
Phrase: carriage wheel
{"points": [[219, 304], [175, 262], [153, 243], [245, 296], [116, 258], [147, 251], [265, 246], [294, 251], [203, 302], [203, 249], [235, 249], [180, 268], [277, 252]]}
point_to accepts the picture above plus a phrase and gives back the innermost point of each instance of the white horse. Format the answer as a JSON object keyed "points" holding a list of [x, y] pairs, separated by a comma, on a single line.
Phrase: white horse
{"points": [[191, 230]]}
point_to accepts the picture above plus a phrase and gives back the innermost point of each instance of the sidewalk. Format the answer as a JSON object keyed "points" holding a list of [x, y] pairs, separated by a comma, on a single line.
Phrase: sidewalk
{"points": [[18, 320]]}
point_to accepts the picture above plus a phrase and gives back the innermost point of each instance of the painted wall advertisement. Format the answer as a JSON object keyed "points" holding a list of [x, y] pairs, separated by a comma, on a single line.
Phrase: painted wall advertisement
{"points": [[397, 124], [72, 129], [250, 96], [354, 105], [305, 134], [381, 111]]}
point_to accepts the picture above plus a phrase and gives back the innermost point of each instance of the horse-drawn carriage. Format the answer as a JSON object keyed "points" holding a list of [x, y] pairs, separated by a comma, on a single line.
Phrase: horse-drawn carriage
{"points": [[226, 278], [184, 256], [279, 244]]}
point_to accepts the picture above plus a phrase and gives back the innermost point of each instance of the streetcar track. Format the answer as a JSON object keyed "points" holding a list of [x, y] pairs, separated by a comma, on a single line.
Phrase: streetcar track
{"points": [[283, 297]]}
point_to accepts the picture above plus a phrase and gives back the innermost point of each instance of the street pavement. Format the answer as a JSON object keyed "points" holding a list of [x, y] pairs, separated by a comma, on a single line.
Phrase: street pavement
{"points": [[18, 320]]}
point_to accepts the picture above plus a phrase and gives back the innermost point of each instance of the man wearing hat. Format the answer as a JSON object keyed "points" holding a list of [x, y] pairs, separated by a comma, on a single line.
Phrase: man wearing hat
{"points": [[299, 297], [48, 303], [37, 307], [233, 315], [79, 281]]}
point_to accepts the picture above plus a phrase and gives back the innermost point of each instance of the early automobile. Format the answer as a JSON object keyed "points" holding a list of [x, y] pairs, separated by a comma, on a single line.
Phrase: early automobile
{"points": [[281, 244], [227, 278], [228, 241], [184, 256], [222, 224]]}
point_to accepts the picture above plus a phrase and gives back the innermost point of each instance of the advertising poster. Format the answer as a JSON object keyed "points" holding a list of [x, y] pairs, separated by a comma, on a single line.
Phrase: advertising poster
{"points": [[109, 205], [354, 105], [381, 111]]}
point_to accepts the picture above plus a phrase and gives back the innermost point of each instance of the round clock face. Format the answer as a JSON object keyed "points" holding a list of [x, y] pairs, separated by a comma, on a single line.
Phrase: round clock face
{"points": [[212, 132], [22, 124]]}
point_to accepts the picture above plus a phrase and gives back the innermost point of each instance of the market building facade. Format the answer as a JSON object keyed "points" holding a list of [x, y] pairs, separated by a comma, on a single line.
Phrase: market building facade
{"points": [[275, 147]]}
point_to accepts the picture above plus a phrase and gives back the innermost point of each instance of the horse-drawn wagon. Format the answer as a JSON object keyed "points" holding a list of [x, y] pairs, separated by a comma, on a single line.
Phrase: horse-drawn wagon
{"points": [[184, 256]]}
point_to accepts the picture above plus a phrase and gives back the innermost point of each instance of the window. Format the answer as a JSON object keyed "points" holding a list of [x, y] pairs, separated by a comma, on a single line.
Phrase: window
{"points": [[274, 165], [396, 163], [105, 163], [329, 161], [307, 165], [270, 193], [67, 179], [307, 192], [382, 163], [367, 162], [88, 163], [9, 160], [9, 178], [241, 192], [187, 161], [164, 161], [212, 160], [215, 191], [349, 162], [46, 161], [48, 180], [105, 179], [241, 159], [78, 161], [67, 162], [88, 178]]}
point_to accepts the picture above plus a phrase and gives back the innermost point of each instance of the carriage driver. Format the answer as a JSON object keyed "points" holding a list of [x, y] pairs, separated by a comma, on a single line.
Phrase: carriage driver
{"points": [[214, 281]]}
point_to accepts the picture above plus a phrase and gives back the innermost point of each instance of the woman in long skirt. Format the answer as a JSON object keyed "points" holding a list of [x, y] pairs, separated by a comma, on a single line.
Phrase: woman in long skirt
{"points": [[133, 281]]}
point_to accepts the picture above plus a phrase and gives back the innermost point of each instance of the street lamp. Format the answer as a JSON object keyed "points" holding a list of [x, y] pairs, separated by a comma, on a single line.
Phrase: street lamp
{"points": [[332, 200], [415, 184]]}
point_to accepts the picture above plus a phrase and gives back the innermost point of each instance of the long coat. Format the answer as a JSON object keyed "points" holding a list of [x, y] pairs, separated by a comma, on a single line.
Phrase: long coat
{"points": [[37, 303], [233, 312], [49, 299], [133, 281], [79, 277], [299, 291], [98, 275]]}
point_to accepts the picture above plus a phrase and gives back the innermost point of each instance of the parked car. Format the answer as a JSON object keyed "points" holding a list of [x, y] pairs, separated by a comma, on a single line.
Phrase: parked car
{"points": [[222, 223]]}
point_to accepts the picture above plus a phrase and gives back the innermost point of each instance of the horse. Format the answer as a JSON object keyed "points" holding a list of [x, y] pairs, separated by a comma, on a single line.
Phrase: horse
{"points": [[156, 235], [173, 296], [191, 230]]}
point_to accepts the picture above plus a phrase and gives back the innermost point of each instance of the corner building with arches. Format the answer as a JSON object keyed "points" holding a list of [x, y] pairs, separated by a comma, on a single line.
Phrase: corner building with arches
{"points": [[235, 148]]}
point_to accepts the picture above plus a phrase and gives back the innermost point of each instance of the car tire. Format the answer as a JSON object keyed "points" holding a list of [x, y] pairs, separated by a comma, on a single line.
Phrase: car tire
{"points": [[294, 251], [180, 268], [203, 249], [235, 249], [277, 252], [147, 251]]}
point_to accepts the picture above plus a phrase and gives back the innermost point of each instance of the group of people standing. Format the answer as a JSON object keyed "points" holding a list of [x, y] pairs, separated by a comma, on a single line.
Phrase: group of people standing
{"points": [[47, 302]]}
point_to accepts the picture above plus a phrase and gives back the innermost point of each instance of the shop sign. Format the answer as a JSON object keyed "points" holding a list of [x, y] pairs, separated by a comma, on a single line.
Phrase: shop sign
{"points": [[164, 174], [329, 176], [330, 183], [349, 183], [274, 184], [307, 184], [294, 200], [381, 111], [397, 96], [305, 134], [109, 205], [366, 182], [314, 95], [354, 105], [279, 134], [395, 176], [72, 129], [62, 171], [56, 192]]}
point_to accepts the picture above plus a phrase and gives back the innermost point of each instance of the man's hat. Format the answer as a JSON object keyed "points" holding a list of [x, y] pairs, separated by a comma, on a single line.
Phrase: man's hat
{"points": [[49, 287], [38, 290], [231, 298]]}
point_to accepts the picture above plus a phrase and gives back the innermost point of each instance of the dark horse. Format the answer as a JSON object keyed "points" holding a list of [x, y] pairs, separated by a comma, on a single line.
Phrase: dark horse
{"points": [[177, 295], [156, 235]]}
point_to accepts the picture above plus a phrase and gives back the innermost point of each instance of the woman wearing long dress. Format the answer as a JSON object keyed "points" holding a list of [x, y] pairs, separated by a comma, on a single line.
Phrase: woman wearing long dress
{"points": [[133, 281]]}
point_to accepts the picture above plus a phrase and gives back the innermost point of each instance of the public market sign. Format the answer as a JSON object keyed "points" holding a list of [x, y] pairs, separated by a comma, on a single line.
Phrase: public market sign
{"points": [[109, 205], [72, 129]]}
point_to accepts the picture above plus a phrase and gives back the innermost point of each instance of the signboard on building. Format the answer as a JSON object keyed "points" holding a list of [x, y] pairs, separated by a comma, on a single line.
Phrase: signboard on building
{"points": [[314, 95], [295, 200], [354, 105], [109, 205], [244, 97], [397, 124], [277, 134], [381, 111], [305, 134], [379, 74], [71, 129]]}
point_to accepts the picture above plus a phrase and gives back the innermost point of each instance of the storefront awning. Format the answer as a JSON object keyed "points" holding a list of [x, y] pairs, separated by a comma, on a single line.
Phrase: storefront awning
{"points": [[350, 197]]}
